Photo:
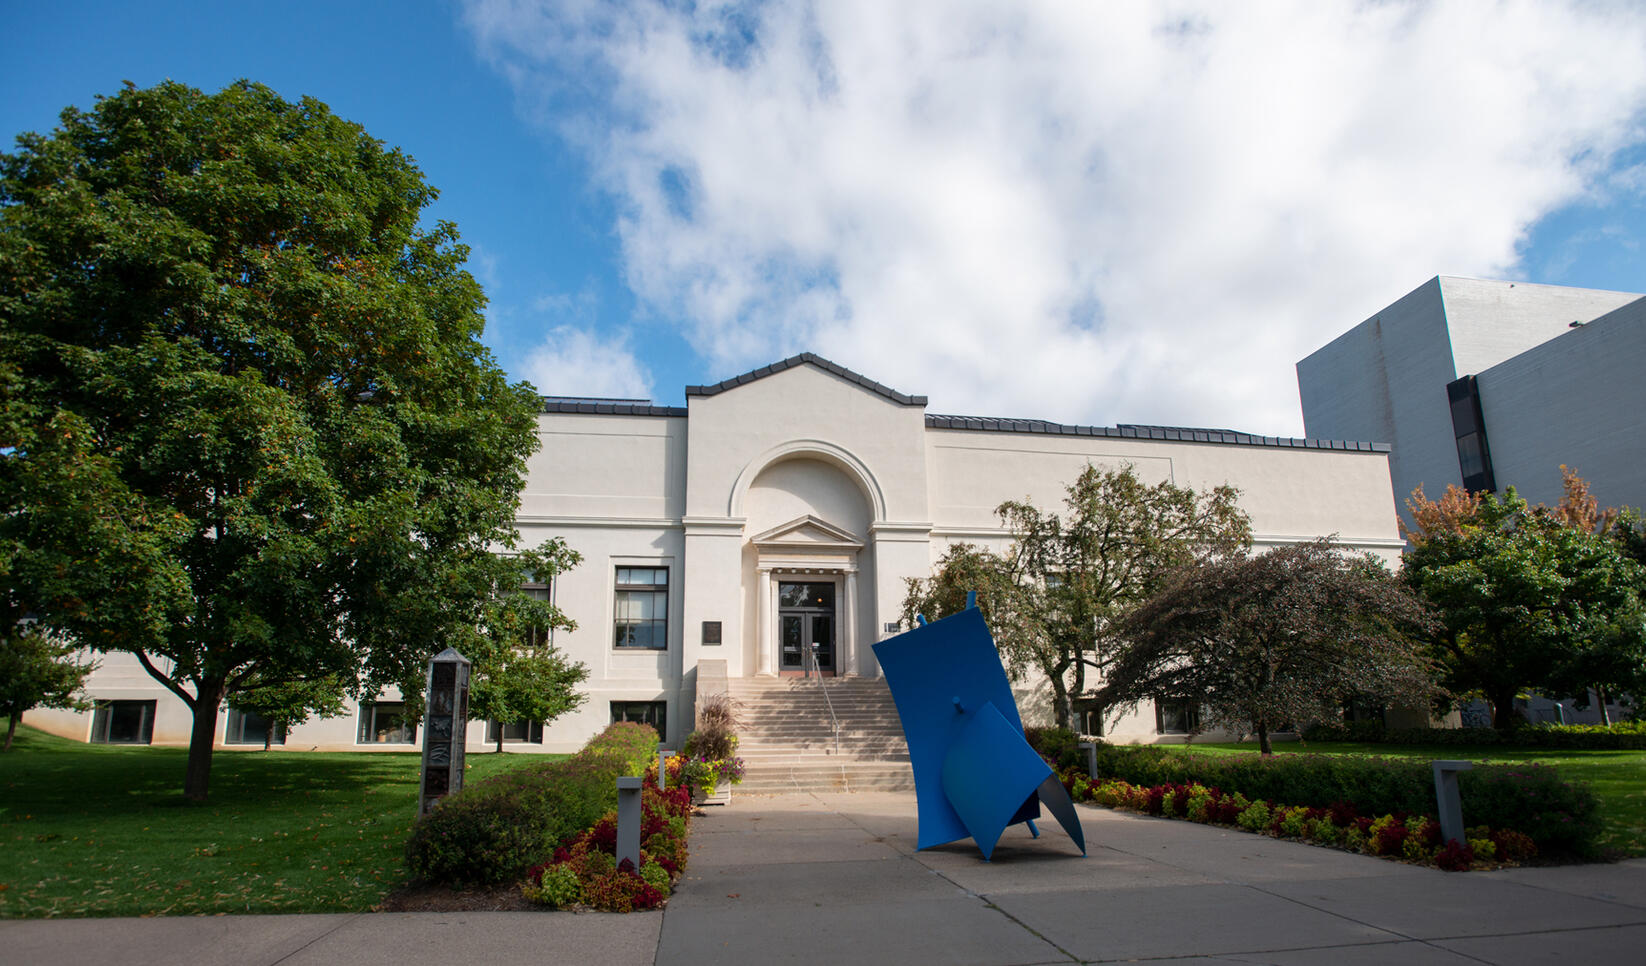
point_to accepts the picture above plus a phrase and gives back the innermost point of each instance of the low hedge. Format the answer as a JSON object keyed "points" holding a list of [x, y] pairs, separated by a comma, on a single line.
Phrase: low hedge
{"points": [[1625, 736], [1561, 817], [494, 830]]}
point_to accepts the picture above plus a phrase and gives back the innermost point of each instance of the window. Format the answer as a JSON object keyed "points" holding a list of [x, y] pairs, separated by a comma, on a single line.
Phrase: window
{"points": [[1089, 715], [247, 728], [1175, 717], [385, 723], [641, 613], [515, 732], [542, 590], [123, 722], [654, 713]]}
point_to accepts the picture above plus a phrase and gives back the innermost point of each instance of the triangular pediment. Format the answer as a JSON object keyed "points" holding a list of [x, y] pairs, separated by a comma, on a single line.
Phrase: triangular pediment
{"points": [[806, 533], [815, 361]]}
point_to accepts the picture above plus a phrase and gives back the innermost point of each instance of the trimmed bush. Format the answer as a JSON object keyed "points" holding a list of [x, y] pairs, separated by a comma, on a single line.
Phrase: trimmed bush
{"points": [[1624, 736], [1059, 746], [494, 830], [1559, 816]]}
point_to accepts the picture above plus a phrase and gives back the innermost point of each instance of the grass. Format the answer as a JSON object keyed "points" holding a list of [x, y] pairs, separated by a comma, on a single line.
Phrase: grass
{"points": [[1618, 778], [94, 830]]}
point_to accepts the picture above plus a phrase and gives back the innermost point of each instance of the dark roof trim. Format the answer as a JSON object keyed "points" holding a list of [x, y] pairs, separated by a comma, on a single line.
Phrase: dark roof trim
{"points": [[1182, 434], [807, 358], [607, 407]]}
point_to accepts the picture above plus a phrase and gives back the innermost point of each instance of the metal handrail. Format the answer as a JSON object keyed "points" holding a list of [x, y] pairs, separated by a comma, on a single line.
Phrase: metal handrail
{"points": [[834, 722]]}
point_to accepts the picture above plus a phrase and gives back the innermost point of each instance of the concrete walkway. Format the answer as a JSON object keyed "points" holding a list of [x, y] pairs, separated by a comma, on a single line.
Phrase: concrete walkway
{"points": [[832, 879]]}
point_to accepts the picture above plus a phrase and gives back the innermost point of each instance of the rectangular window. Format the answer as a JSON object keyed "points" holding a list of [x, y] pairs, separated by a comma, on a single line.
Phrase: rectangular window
{"points": [[246, 728], [385, 723], [641, 613], [515, 732], [540, 590], [1176, 717], [123, 722], [654, 713]]}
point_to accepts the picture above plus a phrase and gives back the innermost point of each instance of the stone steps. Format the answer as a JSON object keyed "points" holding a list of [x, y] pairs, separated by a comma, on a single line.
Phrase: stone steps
{"points": [[787, 742]]}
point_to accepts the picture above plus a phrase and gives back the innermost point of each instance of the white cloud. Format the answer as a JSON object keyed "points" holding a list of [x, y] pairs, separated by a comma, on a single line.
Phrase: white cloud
{"points": [[576, 362], [1078, 211]]}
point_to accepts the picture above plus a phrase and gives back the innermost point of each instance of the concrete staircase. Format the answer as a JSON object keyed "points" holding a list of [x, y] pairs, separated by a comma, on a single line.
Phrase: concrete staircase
{"points": [[787, 744]]}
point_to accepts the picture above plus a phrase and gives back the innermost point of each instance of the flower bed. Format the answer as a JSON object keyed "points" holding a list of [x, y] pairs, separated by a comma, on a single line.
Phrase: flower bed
{"points": [[585, 872], [1404, 836], [494, 830], [1561, 817]]}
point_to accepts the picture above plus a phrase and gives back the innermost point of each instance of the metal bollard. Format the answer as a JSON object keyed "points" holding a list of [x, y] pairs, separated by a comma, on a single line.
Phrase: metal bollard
{"points": [[663, 756], [1090, 747], [628, 821], [1448, 802]]}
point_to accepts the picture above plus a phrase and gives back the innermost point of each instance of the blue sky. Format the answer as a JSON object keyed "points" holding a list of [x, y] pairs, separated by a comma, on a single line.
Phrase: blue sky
{"points": [[1083, 212]]}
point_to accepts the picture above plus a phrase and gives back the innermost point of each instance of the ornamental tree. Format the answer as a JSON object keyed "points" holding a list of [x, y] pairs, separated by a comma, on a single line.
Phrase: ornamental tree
{"points": [[1528, 598], [1059, 590], [517, 673], [1281, 638], [251, 435], [37, 670]]}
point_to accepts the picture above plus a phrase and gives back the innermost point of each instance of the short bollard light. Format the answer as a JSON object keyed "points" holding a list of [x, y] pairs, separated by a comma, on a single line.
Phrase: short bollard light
{"points": [[1447, 800], [1090, 748], [628, 821], [663, 756]]}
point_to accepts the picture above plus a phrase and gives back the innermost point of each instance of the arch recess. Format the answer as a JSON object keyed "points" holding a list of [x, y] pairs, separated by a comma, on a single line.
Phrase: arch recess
{"points": [[817, 449]]}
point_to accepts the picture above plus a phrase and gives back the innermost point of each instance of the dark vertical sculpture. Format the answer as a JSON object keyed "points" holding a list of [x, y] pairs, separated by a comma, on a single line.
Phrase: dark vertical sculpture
{"points": [[974, 772], [445, 720]]}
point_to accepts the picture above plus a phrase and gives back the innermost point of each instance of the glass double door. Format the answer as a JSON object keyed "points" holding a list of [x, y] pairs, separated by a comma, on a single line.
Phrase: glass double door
{"points": [[805, 620]]}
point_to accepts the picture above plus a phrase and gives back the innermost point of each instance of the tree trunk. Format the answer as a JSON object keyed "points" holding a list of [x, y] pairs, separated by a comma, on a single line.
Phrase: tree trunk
{"points": [[1503, 709], [197, 778], [1263, 745], [1062, 706], [500, 737], [1600, 699], [11, 728]]}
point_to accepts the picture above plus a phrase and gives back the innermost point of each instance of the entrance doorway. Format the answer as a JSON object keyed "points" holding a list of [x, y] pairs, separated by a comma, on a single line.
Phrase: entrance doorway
{"points": [[805, 620]]}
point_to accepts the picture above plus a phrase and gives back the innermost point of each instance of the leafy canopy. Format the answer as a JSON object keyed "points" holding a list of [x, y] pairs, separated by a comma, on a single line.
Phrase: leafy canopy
{"points": [[251, 435], [1283, 638], [1054, 597], [1530, 597]]}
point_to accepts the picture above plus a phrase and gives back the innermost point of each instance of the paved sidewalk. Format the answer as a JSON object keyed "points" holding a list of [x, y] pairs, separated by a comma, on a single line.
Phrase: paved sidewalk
{"points": [[834, 879]]}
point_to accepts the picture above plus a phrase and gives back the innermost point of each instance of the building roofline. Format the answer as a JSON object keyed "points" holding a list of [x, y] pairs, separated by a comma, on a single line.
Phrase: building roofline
{"points": [[807, 358], [606, 407], [1181, 434]]}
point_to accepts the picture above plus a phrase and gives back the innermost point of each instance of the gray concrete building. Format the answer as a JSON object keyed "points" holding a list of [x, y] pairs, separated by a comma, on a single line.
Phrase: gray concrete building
{"points": [[1491, 384]]}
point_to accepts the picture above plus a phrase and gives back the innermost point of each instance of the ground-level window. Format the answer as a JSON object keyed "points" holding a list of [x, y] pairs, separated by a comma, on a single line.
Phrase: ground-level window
{"points": [[527, 732], [248, 728], [1176, 717], [385, 723], [123, 722], [1088, 717], [641, 611], [654, 713]]}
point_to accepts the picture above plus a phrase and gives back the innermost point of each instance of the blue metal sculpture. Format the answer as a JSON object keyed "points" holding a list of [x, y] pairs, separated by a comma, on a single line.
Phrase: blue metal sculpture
{"points": [[974, 773]]}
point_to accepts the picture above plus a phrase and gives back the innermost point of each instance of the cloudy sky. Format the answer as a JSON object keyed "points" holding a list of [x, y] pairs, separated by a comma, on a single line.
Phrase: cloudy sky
{"points": [[1081, 211]]}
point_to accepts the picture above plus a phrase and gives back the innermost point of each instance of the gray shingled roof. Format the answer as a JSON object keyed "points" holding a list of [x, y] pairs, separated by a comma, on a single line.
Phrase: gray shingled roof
{"points": [[807, 358], [1182, 434], [608, 407], [980, 424]]}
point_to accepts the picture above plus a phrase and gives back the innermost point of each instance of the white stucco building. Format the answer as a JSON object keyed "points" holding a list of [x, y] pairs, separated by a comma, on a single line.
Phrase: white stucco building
{"points": [[790, 505], [1490, 384]]}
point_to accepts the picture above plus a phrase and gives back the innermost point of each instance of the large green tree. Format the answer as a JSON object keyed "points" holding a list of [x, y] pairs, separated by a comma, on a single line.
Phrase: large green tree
{"points": [[1528, 597], [251, 434], [1054, 596], [1283, 637]]}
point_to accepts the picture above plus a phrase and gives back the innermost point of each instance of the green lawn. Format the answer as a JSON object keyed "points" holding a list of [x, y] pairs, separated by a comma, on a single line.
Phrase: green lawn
{"points": [[94, 830], [1618, 778]]}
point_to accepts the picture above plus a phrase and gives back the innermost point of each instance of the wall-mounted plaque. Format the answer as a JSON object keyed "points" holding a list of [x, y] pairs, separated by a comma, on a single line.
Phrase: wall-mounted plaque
{"points": [[711, 632]]}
